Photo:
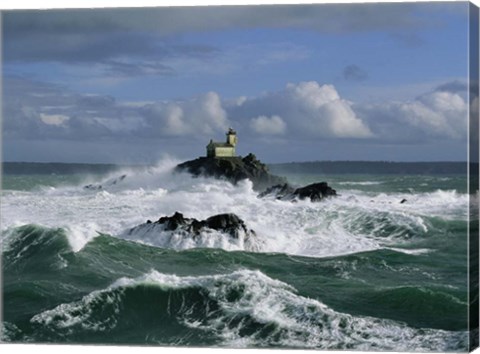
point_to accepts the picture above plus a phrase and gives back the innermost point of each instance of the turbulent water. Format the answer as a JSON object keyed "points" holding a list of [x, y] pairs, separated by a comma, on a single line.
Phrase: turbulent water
{"points": [[361, 271]]}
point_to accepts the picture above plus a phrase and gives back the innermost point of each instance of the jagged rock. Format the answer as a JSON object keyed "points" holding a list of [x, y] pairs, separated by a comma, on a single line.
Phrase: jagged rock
{"points": [[315, 192], [230, 224], [233, 169], [173, 222]]}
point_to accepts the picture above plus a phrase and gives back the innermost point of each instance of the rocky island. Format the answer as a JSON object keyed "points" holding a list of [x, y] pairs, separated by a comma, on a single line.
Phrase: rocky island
{"points": [[233, 169], [222, 163]]}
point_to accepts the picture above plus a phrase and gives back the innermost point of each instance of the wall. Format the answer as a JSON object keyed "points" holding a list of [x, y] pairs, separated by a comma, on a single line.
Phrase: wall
{"points": [[225, 151]]}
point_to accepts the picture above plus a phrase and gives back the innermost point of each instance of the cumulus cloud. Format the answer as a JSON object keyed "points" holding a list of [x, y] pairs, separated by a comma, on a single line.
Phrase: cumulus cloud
{"points": [[309, 109], [200, 115], [438, 114], [321, 110], [273, 125]]}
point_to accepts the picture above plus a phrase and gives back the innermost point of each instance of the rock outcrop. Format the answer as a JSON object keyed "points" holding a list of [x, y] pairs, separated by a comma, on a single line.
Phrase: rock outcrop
{"points": [[315, 192], [233, 169], [229, 224]]}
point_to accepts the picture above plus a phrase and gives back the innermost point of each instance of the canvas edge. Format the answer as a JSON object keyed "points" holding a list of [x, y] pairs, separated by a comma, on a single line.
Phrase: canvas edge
{"points": [[1, 173], [473, 176]]}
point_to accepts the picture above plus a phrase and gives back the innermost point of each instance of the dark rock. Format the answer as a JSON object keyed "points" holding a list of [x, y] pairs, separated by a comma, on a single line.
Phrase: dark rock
{"points": [[315, 192], [173, 222], [230, 224], [233, 169]]}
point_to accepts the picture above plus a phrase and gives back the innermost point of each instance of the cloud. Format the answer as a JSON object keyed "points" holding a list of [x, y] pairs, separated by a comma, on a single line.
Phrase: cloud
{"points": [[151, 34], [54, 119], [439, 113], [137, 68], [354, 73], [455, 86], [61, 114], [306, 111], [238, 58], [434, 115], [324, 112], [268, 126], [119, 54], [309, 109], [174, 20], [202, 115]]}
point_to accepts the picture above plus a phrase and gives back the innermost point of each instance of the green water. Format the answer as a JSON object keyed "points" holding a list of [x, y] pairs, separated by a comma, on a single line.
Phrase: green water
{"points": [[410, 293]]}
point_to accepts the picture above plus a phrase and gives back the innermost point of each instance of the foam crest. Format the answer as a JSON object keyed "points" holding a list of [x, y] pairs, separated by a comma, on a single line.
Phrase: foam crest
{"points": [[79, 235], [251, 309], [359, 183], [353, 222]]}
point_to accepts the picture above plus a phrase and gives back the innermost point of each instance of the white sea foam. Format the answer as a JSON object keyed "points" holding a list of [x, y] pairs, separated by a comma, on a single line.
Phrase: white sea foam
{"points": [[294, 321], [359, 183], [352, 222]]}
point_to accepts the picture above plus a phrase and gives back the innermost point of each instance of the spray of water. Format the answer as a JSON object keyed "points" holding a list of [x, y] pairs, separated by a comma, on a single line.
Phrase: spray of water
{"points": [[355, 221]]}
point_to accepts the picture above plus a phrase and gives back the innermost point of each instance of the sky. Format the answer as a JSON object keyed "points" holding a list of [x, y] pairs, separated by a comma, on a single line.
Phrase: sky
{"points": [[297, 82]]}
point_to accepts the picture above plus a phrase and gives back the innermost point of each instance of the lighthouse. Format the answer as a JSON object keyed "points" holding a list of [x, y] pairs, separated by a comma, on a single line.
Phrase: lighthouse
{"points": [[227, 149]]}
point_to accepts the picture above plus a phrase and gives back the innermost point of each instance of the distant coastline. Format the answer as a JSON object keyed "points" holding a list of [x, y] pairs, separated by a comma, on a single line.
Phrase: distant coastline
{"points": [[314, 167]]}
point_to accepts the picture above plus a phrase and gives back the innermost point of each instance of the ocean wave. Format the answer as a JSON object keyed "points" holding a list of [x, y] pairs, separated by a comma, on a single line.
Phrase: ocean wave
{"points": [[346, 224], [34, 246], [242, 309], [355, 221], [446, 204]]}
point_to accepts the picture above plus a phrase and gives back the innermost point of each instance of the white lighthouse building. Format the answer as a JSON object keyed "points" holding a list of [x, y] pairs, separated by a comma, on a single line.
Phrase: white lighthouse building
{"points": [[227, 149]]}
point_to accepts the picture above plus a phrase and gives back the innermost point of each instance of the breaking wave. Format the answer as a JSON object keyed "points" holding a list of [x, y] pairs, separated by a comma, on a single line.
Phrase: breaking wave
{"points": [[245, 308], [353, 222]]}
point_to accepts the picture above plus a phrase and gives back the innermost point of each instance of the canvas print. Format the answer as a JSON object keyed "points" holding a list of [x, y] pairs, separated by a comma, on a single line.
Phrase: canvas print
{"points": [[264, 176]]}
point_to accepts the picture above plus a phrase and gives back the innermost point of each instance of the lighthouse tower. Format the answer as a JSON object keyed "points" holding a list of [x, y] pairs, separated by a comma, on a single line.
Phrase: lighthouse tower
{"points": [[232, 137]]}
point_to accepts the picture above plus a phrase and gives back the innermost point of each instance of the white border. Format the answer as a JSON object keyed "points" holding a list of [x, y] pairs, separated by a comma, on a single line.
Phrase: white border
{"points": [[61, 4]]}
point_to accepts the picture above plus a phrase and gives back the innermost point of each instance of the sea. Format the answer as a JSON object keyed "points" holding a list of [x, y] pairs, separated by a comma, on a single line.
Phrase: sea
{"points": [[360, 271]]}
